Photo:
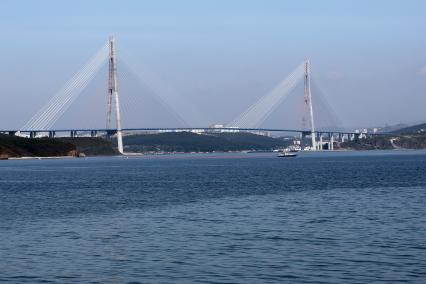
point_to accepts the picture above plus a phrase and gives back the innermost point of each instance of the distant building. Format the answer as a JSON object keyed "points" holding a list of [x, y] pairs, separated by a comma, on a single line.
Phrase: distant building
{"points": [[263, 133], [219, 128], [197, 131]]}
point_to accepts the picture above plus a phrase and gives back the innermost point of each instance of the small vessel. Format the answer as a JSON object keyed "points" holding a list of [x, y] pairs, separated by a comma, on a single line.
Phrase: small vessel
{"points": [[286, 154]]}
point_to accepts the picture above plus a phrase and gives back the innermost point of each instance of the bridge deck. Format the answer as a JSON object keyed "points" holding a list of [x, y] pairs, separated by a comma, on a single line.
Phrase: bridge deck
{"points": [[205, 129]]}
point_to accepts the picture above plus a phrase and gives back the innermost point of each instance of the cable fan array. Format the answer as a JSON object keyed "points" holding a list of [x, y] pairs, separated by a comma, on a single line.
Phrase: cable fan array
{"points": [[257, 113], [182, 111], [46, 117]]}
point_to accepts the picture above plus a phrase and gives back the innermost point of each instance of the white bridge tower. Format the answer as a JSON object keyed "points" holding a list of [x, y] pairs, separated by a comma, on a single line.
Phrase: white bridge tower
{"points": [[308, 101], [113, 94]]}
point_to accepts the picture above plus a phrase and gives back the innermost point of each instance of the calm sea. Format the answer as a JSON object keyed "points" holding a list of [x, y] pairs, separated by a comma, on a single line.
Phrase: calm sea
{"points": [[356, 217]]}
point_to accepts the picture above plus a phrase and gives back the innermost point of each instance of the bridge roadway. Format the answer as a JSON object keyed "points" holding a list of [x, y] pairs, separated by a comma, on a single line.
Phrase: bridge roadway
{"points": [[94, 132]]}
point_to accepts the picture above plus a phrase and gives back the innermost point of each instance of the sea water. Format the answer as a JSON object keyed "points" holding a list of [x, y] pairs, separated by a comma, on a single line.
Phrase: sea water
{"points": [[349, 217]]}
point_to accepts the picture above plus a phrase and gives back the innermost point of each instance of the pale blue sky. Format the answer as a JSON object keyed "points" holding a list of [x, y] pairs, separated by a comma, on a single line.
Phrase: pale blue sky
{"points": [[369, 57]]}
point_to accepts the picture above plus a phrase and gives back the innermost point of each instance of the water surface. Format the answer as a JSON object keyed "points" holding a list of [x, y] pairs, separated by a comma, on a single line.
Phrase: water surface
{"points": [[355, 217]]}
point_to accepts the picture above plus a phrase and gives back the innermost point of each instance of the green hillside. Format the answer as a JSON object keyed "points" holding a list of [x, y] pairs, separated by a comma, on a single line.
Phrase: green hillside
{"points": [[14, 146], [387, 142], [91, 146], [415, 129], [191, 142], [370, 143]]}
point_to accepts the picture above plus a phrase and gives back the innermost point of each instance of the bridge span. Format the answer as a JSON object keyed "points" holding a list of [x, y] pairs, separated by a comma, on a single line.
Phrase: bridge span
{"points": [[42, 124], [330, 135], [34, 132]]}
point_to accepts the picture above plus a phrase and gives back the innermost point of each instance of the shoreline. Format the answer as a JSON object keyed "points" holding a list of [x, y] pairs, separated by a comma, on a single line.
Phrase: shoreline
{"points": [[127, 155], [41, 158]]}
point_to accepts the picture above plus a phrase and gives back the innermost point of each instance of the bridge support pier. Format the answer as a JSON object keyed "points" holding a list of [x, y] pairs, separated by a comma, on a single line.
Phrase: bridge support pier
{"points": [[52, 134], [331, 142], [110, 133], [93, 133], [33, 134], [73, 133], [12, 133], [320, 143], [303, 139]]}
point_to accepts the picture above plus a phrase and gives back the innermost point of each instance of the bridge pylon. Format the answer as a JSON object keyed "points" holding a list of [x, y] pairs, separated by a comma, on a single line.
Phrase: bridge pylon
{"points": [[308, 101], [113, 94]]}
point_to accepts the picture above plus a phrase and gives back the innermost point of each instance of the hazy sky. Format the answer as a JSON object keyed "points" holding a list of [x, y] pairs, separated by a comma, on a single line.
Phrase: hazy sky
{"points": [[368, 57]]}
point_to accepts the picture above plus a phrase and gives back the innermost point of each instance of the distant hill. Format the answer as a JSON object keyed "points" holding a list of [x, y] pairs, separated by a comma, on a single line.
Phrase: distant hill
{"points": [[414, 129], [409, 137], [392, 128], [206, 142], [14, 146], [91, 146], [370, 143]]}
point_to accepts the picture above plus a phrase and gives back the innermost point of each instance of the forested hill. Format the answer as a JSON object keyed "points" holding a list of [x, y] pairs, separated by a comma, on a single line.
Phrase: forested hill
{"points": [[414, 129], [191, 142], [14, 146]]}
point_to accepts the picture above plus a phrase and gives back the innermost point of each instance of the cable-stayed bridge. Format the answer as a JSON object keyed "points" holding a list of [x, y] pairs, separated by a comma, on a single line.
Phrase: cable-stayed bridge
{"points": [[43, 122]]}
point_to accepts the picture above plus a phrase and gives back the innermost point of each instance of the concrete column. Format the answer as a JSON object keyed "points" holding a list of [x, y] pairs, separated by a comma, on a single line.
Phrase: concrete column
{"points": [[320, 145], [331, 142], [110, 133]]}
